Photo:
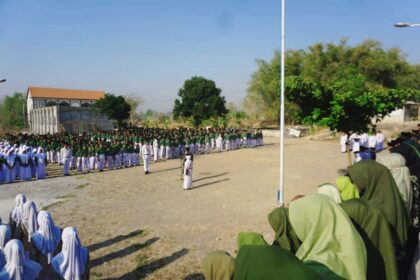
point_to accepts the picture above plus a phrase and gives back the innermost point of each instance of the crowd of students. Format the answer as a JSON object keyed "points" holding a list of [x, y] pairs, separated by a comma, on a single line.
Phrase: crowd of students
{"points": [[24, 156], [33, 247], [364, 145], [364, 227]]}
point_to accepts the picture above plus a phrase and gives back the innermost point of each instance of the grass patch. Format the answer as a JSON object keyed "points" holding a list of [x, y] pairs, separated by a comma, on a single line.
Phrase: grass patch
{"points": [[142, 259], [65, 196], [57, 203], [96, 274], [82, 186]]}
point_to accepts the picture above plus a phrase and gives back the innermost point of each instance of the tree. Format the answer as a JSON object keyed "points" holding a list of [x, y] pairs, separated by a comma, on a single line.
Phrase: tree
{"points": [[344, 107], [12, 111], [114, 107], [135, 101], [366, 67], [199, 99]]}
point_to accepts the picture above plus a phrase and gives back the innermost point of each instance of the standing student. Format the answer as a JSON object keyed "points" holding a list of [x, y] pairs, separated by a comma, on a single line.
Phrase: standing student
{"points": [[146, 150], [101, 157], [155, 149], [40, 163], [343, 142], [188, 167], [65, 155], [380, 138]]}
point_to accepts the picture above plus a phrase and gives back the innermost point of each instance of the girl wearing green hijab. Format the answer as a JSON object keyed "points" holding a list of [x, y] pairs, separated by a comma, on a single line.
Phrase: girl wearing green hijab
{"points": [[250, 238], [328, 237], [218, 265], [373, 227], [285, 235], [378, 187]]}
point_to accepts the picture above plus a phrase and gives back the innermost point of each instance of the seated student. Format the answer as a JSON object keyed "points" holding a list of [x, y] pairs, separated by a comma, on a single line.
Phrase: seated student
{"points": [[17, 265], [15, 220], [29, 222], [45, 244], [5, 236], [373, 227], [330, 191], [328, 242], [218, 265], [73, 262]]}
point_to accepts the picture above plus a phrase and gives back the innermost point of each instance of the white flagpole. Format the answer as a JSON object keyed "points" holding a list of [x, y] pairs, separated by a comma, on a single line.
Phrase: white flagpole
{"points": [[280, 195]]}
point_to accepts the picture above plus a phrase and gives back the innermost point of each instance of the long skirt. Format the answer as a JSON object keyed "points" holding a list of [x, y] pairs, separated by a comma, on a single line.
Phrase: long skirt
{"points": [[187, 182]]}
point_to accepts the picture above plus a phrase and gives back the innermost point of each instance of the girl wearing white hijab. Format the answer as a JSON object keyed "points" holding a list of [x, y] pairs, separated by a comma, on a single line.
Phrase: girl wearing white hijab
{"points": [[41, 161], [188, 167], [5, 236], [45, 243], [73, 261], [18, 267], [29, 222], [396, 164], [16, 216]]}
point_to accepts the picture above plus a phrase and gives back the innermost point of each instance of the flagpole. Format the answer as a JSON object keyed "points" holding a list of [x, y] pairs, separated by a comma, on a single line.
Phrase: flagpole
{"points": [[280, 195]]}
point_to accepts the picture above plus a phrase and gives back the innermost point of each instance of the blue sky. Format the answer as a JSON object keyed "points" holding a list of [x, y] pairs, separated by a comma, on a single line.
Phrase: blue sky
{"points": [[150, 47]]}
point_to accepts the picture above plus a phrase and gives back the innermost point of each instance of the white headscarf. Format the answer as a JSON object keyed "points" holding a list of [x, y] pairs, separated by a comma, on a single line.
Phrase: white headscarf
{"points": [[330, 191], [396, 164], [17, 213], [29, 219], [18, 267], [71, 262], [5, 236], [48, 235]]}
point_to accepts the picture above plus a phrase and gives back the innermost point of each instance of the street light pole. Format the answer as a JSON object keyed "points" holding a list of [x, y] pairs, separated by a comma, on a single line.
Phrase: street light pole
{"points": [[406, 24], [280, 194]]}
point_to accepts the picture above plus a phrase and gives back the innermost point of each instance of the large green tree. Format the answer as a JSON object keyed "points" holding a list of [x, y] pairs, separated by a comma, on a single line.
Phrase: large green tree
{"points": [[12, 111], [199, 99], [114, 107], [364, 68]]}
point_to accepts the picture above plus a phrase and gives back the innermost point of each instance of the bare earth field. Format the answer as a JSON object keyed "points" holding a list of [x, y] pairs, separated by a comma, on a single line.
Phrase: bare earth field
{"points": [[141, 226]]}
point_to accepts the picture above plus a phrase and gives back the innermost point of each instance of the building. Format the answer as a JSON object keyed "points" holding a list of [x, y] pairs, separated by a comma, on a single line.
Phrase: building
{"points": [[410, 112], [52, 110]]}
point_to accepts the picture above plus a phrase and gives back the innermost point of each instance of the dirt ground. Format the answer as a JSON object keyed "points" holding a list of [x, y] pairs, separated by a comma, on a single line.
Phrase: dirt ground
{"points": [[141, 226]]}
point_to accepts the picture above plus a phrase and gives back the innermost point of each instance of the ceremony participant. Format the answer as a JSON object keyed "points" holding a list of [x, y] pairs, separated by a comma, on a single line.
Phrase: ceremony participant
{"points": [[40, 163], [155, 150], [101, 157], [188, 168], [29, 222], [45, 244], [65, 155], [322, 226], [15, 220], [330, 191], [5, 236], [285, 236], [146, 150], [343, 142], [373, 227], [377, 186], [380, 139], [10, 168], [73, 262], [218, 265], [18, 267], [24, 165]]}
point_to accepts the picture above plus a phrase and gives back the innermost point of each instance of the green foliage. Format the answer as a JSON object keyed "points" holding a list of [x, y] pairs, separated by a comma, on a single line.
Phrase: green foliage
{"points": [[199, 99], [340, 108], [12, 111], [114, 107], [336, 71]]}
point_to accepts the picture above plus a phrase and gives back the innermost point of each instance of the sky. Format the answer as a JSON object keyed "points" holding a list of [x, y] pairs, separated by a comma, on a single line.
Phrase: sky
{"points": [[149, 48]]}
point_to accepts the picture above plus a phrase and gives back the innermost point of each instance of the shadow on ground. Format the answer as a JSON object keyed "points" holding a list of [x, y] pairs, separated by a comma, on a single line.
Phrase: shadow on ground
{"points": [[147, 269]]}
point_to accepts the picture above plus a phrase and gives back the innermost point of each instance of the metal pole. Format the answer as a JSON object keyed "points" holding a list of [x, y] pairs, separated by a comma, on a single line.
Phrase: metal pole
{"points": [[280, 195]]}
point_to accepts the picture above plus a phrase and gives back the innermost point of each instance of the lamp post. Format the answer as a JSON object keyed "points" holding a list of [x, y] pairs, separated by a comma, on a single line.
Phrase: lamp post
{"points": [[280, 193], [406, 24]]}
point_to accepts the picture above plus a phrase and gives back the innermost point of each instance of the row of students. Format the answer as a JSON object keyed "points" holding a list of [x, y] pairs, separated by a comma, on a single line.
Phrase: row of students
{"points": [[33, 247], [365, 227]]}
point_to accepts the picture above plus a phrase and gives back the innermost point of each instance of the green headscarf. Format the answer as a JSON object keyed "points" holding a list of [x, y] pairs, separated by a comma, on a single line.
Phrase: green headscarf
{"points": [[346, 188], [270, 263], [285, 235], [374, 230], [328, 236], [250, 238], [330, 191], [378, 187], [218, 265]]}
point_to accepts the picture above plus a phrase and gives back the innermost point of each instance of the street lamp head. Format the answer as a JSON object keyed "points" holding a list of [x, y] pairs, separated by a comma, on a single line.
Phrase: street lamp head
{"points": [[2, 81], [402, 24]]}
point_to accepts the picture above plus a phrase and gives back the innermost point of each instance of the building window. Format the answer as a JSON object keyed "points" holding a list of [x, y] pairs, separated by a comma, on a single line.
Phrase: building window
{"points": [[64, 103], [51, 103]]}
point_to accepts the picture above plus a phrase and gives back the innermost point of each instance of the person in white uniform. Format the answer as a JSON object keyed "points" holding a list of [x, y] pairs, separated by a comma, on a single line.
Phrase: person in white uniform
{"points": [[343, 142], [188, 167], [66, 157], [146, 150]]}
